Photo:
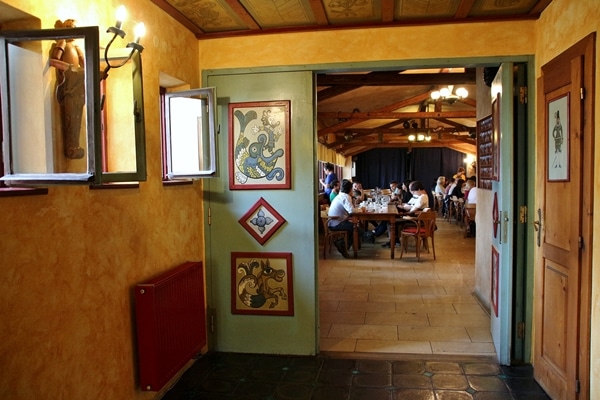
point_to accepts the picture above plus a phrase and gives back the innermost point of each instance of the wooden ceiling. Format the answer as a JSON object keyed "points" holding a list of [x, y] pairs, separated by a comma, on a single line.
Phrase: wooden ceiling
{"points": [[226, 18], [357, 112]]}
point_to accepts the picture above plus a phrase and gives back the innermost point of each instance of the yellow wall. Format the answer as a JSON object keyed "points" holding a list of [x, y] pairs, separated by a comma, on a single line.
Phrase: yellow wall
{"points": [[69, 259]]}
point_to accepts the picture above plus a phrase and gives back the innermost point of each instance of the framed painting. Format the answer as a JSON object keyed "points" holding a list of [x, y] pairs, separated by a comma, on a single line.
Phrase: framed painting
{"points": [[259, 145], [495, 277], [558, 138], [496, 138], [262, 283], [261, 221]]}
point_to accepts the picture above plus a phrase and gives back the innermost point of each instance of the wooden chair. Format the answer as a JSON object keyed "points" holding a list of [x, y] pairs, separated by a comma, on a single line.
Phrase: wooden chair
{"points": [[329, 235], [421, 229], [469, 215]]}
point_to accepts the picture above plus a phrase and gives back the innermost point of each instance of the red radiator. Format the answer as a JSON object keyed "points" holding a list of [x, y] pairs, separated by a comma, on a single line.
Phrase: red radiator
{"points": [[171, 323]]}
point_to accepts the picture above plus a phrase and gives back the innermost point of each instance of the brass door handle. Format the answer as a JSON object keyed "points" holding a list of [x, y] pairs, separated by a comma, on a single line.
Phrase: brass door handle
{"points": [[537, 225]]}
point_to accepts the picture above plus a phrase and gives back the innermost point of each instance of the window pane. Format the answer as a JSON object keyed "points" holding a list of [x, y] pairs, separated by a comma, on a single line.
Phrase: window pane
{"points": [[191, 133]]}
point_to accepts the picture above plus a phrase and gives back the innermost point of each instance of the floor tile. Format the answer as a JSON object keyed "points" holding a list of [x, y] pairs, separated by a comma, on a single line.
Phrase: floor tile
{"points": [[434, 333], [377, 332], [393, 346], [398, 319]]}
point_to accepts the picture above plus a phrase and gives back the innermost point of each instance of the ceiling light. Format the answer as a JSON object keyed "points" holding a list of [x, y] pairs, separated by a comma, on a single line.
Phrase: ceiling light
{"points": [[419, 138], [449, 95]]}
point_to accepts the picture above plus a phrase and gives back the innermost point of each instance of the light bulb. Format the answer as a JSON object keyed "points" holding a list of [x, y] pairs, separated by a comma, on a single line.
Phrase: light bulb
{"points": [[121, 15], [445, 92], [462, 92], [140, 30]]}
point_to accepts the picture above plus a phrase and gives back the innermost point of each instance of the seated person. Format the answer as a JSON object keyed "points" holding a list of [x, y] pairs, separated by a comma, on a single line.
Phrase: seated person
{"points": [[356, 197], [335, 190], [469, 184], [440, 187], [395, 190], [339, 211], [418, 202], [471, 198], [406, 194], [358, 191], [458, 189]]}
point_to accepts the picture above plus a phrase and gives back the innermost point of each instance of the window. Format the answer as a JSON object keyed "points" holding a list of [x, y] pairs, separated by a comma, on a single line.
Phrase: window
{"points": [[189, 124], [51, 112]]}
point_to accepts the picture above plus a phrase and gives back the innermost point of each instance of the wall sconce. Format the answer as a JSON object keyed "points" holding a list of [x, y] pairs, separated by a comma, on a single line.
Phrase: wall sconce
{"points": [[448, 94], [140, 30]]}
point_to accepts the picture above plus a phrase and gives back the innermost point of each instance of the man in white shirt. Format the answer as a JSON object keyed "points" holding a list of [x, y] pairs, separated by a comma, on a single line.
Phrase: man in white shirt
{"points": [[339, 211]]}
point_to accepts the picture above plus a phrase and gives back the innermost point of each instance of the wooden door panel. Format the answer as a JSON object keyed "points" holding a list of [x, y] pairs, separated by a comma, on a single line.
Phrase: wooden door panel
{"points": [[556, 304]]}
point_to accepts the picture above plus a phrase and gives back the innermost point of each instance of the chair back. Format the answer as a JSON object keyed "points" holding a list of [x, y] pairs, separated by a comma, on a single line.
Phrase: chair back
{"points": [[426, 223]]}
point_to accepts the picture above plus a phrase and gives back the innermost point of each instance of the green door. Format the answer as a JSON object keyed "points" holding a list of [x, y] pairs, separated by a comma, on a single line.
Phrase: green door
{"points": [[262, 324]]}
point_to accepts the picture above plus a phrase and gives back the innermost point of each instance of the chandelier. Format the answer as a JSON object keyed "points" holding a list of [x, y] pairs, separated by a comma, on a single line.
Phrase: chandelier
{"points": [[420, 137], [449, 95]]}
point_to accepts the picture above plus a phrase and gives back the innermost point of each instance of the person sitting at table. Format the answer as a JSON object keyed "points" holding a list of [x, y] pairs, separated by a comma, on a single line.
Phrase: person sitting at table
{"points": [[335, 190], [469, 184], [357, 191], [395, 191], [458, 189], [339, 211], [406, 194], [440, 186], [418, 202], [471, 195]]}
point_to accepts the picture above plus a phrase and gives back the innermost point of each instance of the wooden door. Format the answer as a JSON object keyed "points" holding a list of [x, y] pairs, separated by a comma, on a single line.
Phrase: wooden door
{"points": [[563, 227]]}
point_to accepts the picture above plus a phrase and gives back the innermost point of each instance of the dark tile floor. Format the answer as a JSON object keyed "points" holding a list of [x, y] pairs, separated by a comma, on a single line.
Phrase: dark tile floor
{"points": [[218, 376]]}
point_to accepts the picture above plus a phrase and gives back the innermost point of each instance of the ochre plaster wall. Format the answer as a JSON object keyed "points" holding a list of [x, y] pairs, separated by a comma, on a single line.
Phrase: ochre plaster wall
{"points": [[563, 24], [382, 44], [69, 259]]}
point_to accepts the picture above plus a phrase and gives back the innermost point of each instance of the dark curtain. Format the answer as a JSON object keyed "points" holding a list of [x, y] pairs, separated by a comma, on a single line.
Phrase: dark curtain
{"points": [[377, 167]]}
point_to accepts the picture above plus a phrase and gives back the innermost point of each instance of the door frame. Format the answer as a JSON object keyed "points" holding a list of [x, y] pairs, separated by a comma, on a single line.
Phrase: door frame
{"points": [[417, 63]]}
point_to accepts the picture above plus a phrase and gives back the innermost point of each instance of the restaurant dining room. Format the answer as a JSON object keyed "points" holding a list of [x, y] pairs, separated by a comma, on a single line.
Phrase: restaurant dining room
{"points": [[386, 299]]}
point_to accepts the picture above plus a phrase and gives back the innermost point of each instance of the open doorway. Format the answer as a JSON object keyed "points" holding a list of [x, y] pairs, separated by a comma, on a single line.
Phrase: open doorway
{"points": [[419, 108]]}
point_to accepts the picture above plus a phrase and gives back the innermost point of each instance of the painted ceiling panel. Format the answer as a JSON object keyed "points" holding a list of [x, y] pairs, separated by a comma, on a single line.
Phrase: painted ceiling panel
{"points": [[274, 13]]}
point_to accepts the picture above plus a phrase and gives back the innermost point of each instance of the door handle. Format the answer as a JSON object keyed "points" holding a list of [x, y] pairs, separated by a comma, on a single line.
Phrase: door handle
{"points": [[537, 225]]}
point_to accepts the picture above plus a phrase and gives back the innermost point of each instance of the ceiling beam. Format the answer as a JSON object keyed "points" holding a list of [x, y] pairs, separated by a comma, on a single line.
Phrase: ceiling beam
{"points": [[243, 14], [353, 121], [464, 8], [319, 11], [387, 10], [459, 78], [397, 115]]}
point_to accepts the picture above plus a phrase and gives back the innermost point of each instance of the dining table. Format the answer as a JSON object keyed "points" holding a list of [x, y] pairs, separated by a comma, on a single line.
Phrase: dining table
{"points": [[387, 213]]}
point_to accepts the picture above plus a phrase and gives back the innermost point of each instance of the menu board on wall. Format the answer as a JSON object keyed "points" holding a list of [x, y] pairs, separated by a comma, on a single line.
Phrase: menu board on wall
{"points": [[485, 152]]}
